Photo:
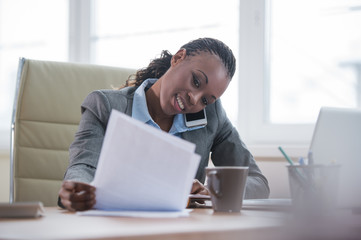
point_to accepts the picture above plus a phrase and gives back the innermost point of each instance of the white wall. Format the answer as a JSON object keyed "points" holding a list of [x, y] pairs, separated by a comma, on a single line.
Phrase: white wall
{"points": [[4, 176], [276, 173]]}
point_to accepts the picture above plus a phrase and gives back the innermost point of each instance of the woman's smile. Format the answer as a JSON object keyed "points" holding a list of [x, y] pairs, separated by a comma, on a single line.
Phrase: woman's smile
{"points": [[179, 103]]}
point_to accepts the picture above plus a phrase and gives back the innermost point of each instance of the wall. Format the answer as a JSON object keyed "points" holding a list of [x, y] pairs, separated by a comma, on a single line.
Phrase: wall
{"points": [[276, 173], [4, 176]]}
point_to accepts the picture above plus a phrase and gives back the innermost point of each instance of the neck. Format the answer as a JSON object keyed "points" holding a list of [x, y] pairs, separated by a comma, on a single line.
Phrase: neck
{"points": [[153, 103]]}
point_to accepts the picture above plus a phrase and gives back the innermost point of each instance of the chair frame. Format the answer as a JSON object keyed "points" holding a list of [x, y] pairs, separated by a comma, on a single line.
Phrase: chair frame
{"points": [[12, 130]]}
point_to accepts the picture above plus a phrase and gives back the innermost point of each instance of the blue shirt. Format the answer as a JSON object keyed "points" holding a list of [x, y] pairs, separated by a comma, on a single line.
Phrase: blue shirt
{"points": [[141, 113]]}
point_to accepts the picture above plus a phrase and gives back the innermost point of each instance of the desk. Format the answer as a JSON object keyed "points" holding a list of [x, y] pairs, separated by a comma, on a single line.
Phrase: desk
{"points": [[201, 224]]}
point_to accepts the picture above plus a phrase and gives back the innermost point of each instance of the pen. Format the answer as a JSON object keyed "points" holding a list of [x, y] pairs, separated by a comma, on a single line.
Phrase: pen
{"points": [[297, 174], [285, 155], [310, 158], [300, 177]]}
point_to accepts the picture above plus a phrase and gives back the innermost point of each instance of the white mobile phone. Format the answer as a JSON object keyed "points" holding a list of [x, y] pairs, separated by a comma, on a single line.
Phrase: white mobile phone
{"points": [[196, 119]]}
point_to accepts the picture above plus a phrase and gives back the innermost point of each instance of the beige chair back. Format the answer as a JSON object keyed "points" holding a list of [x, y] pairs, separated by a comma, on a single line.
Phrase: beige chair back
{"points": [[45, 118]]}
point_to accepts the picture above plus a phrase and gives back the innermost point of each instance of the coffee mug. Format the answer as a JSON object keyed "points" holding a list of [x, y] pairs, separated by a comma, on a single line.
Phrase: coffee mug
{"points": [[227, 187]]}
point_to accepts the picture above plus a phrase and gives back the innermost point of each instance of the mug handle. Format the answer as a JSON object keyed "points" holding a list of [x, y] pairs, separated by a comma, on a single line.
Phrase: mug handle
{"points": [[214, 178]]}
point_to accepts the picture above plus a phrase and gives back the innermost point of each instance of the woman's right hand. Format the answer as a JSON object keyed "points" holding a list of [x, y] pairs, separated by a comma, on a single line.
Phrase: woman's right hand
{"points": [[77, 196]]}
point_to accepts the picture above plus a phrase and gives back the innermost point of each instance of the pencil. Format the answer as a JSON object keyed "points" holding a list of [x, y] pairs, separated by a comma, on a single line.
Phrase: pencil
{"points": [[285, 155]]}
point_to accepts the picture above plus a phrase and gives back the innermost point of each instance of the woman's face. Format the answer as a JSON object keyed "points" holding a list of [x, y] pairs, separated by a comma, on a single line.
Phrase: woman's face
{"points": [[192, 82]]}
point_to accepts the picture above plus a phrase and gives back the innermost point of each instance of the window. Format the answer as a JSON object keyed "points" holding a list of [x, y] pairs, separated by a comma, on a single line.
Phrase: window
{"points": [[297, 56], [315, 53], [35, 29], [137, 33]]}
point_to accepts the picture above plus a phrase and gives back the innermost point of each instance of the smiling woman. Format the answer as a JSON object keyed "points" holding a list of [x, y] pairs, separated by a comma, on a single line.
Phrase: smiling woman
{"points": [[161, 103]]}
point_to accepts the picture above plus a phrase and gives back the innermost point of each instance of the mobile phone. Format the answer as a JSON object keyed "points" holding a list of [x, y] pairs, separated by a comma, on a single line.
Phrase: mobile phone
{"points": [[196, 119]]}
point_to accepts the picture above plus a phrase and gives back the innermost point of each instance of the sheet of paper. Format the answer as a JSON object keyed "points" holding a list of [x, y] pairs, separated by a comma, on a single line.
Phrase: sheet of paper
{"points": [[199, 197], [143, 168], [137, 214], [267, 204]]}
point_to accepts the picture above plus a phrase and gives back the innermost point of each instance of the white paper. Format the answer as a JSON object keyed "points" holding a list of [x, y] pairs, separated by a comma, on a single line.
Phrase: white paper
{"points": [[143, 168], [138, 214], [267, 204]]}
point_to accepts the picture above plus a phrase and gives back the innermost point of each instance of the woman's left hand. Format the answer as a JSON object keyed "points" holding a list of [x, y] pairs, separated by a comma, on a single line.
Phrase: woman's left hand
{"points": [[199, 188]]}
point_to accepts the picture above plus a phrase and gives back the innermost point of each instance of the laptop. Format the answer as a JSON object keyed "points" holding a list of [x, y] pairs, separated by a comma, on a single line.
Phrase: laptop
{"points": [[337, 139]]}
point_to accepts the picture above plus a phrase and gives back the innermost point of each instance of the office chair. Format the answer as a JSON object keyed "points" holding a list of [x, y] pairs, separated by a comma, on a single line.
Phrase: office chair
{"points": [[45, 118]]}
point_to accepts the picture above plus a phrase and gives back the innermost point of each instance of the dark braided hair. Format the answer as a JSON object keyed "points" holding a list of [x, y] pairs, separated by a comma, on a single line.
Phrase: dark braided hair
{"points": [[160, 65]]}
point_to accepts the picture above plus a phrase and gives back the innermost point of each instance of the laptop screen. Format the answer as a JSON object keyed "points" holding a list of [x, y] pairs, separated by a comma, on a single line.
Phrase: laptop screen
{"points": [[337, 139]]}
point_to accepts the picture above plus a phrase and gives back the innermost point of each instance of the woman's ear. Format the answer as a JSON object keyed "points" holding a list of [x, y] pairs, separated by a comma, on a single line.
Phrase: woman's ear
{"points": [[178, 57]]}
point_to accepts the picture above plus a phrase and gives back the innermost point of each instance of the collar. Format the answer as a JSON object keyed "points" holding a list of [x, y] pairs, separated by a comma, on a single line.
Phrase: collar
{"points": [[141, 113]]}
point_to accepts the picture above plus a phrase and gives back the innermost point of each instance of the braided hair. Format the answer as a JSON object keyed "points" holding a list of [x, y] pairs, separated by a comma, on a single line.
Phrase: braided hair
{"points": [[159, 66]]}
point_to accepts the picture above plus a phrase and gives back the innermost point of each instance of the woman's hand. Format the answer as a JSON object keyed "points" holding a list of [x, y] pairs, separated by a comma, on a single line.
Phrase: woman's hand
{"points": [[199, 188], [77, 196]]}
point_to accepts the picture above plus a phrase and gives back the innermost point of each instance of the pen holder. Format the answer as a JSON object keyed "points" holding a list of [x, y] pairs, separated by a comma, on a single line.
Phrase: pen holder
{"points": [[313, 188]]}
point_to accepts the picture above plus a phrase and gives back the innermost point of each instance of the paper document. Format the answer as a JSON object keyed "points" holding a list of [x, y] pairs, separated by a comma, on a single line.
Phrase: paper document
{"points": [[143, 168], [267, 204], [137, 214]]}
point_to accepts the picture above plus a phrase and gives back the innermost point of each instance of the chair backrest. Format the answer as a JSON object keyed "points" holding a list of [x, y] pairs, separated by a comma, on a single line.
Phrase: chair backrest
{"points": [[45, 118]]}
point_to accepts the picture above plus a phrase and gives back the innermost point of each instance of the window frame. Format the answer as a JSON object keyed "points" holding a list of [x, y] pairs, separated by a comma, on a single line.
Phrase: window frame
{"points": [[261, 136], [80, 31]]}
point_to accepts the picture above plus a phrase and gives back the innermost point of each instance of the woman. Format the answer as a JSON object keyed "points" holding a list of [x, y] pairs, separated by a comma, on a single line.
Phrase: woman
{"points": [[187, 82]]}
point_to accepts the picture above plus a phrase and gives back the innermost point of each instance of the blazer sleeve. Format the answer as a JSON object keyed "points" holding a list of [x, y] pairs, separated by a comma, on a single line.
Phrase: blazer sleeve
{"points": [[229, 150], [85, 149]]}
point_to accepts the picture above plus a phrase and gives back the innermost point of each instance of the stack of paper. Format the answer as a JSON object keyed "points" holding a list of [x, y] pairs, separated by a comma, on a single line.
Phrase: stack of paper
{"points": [[142, 168]]}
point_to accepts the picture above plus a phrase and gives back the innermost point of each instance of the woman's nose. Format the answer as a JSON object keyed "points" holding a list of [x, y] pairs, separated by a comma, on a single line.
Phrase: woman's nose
{"points": [[193, 98]]}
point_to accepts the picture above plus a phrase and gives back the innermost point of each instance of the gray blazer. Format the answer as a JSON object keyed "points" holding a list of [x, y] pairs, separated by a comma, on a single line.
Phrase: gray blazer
{"points": [[219, 138]]}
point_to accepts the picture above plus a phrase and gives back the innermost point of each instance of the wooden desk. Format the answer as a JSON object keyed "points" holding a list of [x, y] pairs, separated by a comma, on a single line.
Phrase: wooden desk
{"points": [[201, 224]]}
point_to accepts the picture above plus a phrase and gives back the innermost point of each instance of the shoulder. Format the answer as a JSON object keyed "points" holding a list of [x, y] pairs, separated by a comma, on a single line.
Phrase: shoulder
{"points": [[113, 94], [109, 97], [101, 102], [215, 112], [218, 124]]}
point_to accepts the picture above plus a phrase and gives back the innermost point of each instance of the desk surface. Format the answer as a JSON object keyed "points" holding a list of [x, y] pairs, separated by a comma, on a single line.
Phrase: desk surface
{"points": [[201, 224]]}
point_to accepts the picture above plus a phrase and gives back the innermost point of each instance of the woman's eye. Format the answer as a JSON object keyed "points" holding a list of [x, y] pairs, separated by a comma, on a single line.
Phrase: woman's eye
{"points": [[205, 101], [196, 82]]}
